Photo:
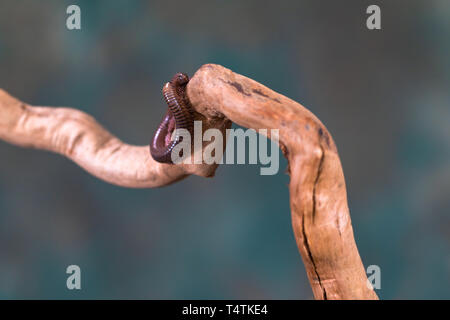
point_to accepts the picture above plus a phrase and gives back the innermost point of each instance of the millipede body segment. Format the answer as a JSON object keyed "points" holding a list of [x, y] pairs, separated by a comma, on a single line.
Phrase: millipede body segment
{"points": [[179, 116]]}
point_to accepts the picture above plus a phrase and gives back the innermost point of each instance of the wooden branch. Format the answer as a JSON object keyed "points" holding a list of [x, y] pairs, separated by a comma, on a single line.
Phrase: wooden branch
{"points": [[79, 137], [320, 214]]}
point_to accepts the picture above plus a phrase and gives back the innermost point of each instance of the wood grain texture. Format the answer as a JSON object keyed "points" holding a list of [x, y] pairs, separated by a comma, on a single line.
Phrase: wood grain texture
{"points": [[79, 137], [320, 214]]}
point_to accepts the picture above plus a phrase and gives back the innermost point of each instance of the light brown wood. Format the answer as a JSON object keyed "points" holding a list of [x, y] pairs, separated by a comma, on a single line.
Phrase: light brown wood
{"points": [[320, 215], [79, 137]]}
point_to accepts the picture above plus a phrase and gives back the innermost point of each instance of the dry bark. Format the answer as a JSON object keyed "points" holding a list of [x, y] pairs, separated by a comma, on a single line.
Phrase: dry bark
{"points": [[320, 215], [79, 137]]}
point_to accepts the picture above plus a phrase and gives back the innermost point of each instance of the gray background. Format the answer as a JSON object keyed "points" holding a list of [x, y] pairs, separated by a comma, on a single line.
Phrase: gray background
{"points": [[384, 96]]}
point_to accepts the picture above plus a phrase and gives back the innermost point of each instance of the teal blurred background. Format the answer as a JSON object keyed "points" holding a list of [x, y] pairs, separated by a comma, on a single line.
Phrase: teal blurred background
{"points": [[384, 95]]}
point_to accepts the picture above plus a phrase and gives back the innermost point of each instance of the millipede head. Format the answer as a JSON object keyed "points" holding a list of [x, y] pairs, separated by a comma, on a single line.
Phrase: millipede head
{"points": [[180, 79]]}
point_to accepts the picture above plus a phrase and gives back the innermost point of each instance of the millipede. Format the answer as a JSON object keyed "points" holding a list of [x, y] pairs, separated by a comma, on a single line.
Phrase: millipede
{"points": [[178, 116]]}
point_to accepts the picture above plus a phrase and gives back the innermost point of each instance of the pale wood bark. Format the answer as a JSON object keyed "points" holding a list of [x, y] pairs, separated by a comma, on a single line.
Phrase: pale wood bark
{"points": [[79, 137], [320, 215]]}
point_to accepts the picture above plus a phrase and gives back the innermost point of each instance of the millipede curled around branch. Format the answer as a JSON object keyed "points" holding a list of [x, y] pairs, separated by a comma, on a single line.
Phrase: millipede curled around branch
{"points": [[179, 116]]}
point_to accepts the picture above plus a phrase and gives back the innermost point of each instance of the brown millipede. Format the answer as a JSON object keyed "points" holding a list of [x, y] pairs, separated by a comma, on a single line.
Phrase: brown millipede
{"points": [[179, 116]]}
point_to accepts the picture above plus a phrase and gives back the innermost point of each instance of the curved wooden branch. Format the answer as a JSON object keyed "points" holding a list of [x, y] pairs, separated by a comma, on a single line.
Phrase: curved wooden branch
{"points": [[79, 137], [320, 214]]}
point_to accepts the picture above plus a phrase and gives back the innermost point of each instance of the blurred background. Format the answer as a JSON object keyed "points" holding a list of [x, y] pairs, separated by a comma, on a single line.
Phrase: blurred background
{"points": [[384, 95]]}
